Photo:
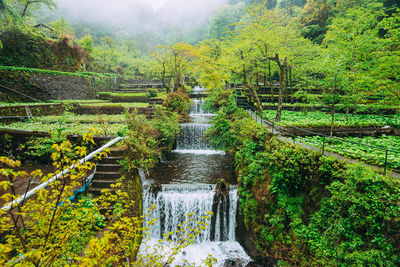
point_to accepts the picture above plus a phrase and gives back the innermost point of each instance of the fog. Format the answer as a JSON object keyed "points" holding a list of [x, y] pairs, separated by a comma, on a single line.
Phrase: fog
{"points": [[140, 16]]}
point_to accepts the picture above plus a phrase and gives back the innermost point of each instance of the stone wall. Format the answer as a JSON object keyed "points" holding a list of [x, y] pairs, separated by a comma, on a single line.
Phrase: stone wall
{"points": [[54, 86]]}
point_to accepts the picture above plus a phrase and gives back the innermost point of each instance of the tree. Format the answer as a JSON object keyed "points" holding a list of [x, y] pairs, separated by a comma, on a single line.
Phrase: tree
{"points": [[173, 64], [263, 37], [87, 43], [224, 19], [108, 41], [26, 4], [388, 67], [352, 42], [61, 27]]}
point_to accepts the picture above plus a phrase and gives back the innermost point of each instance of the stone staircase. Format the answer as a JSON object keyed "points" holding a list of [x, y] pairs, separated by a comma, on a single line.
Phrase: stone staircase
{"points": [[107, 171]]}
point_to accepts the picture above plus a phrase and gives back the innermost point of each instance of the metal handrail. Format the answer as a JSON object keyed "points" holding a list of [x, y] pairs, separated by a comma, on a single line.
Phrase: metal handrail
{"points": [[32, 192]]}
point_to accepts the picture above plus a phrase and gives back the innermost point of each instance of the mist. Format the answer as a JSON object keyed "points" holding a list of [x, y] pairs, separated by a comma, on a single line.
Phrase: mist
{"points": [[164, 20]]}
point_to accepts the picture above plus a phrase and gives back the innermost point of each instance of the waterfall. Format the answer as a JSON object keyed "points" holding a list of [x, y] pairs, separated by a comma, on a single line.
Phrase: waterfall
{"points": [[192, 137], [197, 108], [173, 202]]}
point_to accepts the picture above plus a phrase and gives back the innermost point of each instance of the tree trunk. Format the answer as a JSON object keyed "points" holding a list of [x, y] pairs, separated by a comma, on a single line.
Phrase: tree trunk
{"points": [[347, 113], [282, 85], [163, 79], [333, 120], [25, 9], [252, 90]]}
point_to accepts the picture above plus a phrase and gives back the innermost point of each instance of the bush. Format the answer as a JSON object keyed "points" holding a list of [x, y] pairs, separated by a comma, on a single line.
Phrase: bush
{"points": [[178, 102], [167, 123], [151, 93]]}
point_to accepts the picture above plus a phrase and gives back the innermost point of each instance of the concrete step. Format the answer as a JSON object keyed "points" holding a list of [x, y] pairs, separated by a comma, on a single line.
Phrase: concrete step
{"points": [[110, 160], [117, 152], [106, 175], [101, 167], [102, 183], [97, 191]]}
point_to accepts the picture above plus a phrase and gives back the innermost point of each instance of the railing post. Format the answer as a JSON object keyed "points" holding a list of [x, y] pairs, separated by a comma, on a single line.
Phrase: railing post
{"points": [[273, 128], [323, 145], [386, 156]]}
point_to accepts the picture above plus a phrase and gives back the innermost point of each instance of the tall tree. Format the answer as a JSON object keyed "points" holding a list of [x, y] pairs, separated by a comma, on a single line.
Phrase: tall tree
{"points": [[28, 4]]}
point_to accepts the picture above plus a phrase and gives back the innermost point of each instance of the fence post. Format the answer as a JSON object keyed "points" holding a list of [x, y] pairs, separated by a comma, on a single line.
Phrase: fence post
{"points": [[386, 156], [323, 145]]}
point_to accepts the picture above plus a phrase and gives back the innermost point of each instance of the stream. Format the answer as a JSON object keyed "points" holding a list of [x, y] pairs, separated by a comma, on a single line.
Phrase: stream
{"points": [[188, 177]]}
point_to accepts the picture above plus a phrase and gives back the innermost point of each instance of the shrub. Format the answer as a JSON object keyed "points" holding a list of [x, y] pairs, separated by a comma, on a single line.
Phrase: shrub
{"points": [[178, 102], [151, 93]]}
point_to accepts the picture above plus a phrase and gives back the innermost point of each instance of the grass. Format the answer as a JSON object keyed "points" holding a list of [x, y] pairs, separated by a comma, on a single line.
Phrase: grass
{"points": [[316, 119], [372, 155]]}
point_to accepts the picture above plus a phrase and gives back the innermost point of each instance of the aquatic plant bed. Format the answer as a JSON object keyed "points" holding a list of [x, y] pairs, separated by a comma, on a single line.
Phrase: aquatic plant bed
{"points": [[118, 104], [360, 109], [74, 118], [317, 119], [41, 128], [370, 154], [80, 101], [113, 109]]}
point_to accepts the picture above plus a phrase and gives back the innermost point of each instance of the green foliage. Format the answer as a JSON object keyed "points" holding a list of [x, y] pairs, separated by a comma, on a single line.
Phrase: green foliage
{"points": [[178, 102], [358, 223], [26, 49], [224, 19], [141, 143], [87, 43], [167, 123], [218, 98], [151, 93]]}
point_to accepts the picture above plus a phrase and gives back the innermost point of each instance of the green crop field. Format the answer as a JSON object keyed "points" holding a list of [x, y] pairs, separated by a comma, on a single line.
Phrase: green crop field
{"points": [[372, 155], [321, 119]]}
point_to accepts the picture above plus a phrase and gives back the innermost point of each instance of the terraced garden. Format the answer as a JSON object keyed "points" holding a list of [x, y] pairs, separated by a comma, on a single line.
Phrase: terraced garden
{"points": [[316, 119], [367, 149]]}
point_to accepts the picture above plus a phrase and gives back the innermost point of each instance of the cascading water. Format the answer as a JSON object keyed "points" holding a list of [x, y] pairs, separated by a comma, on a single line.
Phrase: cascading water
{"points": [[195, 164], [197, 108], [192, 137], [173, 202]]}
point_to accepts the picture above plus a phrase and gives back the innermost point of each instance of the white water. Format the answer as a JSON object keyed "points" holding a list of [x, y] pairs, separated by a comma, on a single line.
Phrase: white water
{"points": [[197, 108], [200, 152], [191, 137], [171, 206]]}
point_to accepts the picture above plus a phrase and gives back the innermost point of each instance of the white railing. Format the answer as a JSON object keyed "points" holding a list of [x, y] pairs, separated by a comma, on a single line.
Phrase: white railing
{"points": [[32, 192]]}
